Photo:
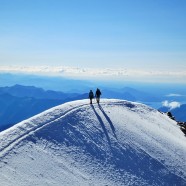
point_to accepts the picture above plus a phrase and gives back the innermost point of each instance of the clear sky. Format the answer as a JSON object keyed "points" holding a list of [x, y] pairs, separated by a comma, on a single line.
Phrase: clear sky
{"points": [[140, 34]]}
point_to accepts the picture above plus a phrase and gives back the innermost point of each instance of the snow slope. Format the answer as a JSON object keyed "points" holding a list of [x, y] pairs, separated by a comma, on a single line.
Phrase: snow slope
{"points": [[114, 143]]}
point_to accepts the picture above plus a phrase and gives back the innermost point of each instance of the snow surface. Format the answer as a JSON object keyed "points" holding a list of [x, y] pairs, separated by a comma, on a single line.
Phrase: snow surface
{"points": [[114, 143]]}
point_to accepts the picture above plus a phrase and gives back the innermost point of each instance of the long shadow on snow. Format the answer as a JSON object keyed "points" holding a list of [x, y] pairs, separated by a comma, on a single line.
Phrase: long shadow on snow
{"points": [[109, 120], [102, 125], [123, 157]]}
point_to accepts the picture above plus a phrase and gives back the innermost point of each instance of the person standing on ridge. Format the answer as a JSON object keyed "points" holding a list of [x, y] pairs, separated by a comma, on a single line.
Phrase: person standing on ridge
{"points": [[91, 96], [98, 94]]}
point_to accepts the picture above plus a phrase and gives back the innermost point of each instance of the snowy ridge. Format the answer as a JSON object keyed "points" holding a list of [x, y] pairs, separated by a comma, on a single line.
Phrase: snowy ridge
{"points": [[114, 143], [23, 129]]}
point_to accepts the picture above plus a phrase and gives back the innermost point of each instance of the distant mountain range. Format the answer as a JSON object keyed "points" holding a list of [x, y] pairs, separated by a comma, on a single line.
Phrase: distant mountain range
{"points": [[31, 91], [21, 102], [130, 94]]}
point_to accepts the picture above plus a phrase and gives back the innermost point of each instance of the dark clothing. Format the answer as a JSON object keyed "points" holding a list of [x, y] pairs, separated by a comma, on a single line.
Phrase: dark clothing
{"points": [[91, 96], [98, 94]]}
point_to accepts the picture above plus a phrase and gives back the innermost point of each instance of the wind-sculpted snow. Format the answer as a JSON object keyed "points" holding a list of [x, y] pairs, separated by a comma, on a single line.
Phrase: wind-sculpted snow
{"points": [[114, 143]]}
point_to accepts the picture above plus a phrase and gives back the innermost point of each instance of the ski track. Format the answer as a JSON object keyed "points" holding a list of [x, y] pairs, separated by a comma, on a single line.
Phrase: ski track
{"points": [[5, 149]]}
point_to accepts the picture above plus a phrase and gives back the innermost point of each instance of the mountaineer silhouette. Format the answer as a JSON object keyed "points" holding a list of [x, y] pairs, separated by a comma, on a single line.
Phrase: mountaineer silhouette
{"points": [[91, 96], [98, 94]]}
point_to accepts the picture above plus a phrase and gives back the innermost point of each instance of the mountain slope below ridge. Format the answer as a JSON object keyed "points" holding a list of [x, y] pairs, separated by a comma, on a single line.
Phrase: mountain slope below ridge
{"points": [[179, 112], [114, 143], [15, 109], [22, 102]]}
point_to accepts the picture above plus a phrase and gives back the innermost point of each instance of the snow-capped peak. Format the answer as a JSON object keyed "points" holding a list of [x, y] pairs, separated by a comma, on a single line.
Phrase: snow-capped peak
{"points": [[114, 143]]}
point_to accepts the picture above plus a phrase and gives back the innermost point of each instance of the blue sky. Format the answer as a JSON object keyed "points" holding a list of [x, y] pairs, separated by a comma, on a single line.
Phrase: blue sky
{"points": [[135, 34]]}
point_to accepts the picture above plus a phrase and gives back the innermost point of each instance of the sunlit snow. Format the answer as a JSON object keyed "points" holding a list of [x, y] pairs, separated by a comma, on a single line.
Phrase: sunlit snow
{"points": [[114, 143]]}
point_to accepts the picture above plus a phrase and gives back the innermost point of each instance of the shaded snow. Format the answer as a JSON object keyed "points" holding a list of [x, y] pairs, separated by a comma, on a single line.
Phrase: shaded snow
{"points": [[114, 143]]}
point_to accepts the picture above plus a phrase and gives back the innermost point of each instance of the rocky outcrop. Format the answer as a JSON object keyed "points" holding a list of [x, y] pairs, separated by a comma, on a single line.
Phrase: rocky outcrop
{"points": [[181, 124]]}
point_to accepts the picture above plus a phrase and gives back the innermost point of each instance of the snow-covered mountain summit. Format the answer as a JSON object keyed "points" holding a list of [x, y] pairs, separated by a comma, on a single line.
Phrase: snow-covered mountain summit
{"points": [[114, 143]]}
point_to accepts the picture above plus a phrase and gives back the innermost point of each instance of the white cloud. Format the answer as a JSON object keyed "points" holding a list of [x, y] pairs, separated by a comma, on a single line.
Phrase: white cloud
{"points": [[174, 95], [171, 105], [116, 73]]}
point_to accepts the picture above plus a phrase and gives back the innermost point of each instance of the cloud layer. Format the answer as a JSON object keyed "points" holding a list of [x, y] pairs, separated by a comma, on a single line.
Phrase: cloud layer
{"points": [[107, 73]]}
